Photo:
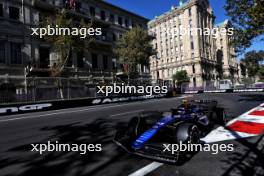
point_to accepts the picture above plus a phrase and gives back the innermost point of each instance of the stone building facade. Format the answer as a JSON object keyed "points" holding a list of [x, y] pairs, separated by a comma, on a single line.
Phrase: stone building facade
{"points": [[226, 53], [18, 48], [193, 52]]}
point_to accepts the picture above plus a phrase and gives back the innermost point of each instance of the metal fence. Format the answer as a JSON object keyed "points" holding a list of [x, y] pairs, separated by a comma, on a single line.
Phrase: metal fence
{"points": [[34, 89], [216, 85], [40, 89]]}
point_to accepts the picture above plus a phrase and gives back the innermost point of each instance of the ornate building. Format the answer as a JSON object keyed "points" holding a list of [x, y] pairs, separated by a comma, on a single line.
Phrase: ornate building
{"points": [[18, 48], [194, 52]]}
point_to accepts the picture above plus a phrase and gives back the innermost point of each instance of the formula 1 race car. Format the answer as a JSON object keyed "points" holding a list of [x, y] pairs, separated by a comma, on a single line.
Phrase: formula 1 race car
{"points": [[146, 134]]}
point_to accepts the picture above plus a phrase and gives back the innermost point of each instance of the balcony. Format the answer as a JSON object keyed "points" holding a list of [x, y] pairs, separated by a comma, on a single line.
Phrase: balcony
{"points": [[44, 4]]}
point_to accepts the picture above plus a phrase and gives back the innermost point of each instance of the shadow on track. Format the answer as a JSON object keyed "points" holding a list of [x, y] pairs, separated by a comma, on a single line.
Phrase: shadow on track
{"points": [[20, 161], [252, 97], [249, 162]]}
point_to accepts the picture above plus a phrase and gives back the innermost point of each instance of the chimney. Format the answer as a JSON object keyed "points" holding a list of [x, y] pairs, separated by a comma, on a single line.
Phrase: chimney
{"points": [[182, 2]]}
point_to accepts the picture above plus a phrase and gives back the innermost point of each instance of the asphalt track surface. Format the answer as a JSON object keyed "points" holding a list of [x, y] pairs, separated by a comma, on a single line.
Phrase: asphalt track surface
{"points": [[97, 125]]}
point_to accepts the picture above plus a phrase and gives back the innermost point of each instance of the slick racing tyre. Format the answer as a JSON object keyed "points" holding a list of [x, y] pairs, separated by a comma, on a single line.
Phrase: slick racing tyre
{"points": [[221, 116], [218, 117], [187, 133], [136, 126]]}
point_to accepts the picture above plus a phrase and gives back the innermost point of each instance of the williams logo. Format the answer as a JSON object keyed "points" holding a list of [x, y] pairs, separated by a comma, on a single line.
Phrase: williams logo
{"points": [[24, 108]]}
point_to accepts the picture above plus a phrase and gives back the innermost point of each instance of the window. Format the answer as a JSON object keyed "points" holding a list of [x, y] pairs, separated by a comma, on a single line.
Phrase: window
{"points": [[133, 24], [193, 68], [112, 18], [2, 53], [80, 59], [103, 15], [104, 35], [190, 12], [190, 23], [126, 23], [181, 48], [194, 82], [1, 10], [94, 61], [41, 18], [120, 21], [44, 54], [192, 46], [92, 11], [192, 55], [16, 57], [105, 62], [78, 6], [114, 37], [14, 13]]}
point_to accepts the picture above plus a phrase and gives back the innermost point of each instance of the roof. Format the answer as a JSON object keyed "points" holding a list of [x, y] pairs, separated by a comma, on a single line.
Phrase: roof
{"points": [[221, 24], [121, 9], [182, 4]]}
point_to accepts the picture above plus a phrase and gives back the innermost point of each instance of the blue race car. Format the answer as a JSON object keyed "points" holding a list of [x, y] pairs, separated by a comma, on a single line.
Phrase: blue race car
{"points": [[148, 133]]}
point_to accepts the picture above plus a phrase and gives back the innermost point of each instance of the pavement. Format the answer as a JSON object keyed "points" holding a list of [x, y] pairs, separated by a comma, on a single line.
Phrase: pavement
{"points": [[96, 125]]}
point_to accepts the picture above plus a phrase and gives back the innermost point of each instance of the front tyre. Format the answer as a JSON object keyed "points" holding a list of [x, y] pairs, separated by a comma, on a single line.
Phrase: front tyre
{"points": [[136, 127]]}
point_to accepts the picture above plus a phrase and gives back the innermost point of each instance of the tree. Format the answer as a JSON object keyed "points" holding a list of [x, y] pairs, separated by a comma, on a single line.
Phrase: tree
{"points": [[252, 62], [134, 48], [261, 73], [243, 69], [63, 45], [180, 77], [247, 18]]}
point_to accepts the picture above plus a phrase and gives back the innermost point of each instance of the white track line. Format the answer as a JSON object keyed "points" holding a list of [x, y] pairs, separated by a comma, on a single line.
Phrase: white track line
{"points": [[147, 169]]}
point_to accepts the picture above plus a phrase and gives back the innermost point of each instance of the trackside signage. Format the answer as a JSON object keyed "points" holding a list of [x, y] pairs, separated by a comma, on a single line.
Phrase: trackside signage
{"points": [[123, 99], [54, 105], [24, 108]]}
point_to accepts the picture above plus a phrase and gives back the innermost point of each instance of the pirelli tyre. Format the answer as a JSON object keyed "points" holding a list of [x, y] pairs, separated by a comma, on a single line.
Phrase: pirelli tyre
{"points": [[217, 117], [136, 127], [186, 133], [221, 116]]}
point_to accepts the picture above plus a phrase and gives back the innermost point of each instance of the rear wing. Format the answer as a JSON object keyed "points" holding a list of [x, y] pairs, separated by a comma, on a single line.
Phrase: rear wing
{"points": [[205, 104]]}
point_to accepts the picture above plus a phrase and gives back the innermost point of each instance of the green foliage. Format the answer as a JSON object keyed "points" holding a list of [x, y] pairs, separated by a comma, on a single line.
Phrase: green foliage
{"points": [[252, 62], [65, 44], [261, 73], [247, 17], [134, 48], [247, 81], [181, 77]]}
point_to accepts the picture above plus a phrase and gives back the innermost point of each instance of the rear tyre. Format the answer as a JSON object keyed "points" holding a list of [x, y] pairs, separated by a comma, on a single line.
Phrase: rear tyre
{"points": [[221, 116], [187, 133]]}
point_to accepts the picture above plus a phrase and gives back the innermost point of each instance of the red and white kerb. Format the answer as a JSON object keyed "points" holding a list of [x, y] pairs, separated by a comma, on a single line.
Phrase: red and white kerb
{"points": [[248, 124]]}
